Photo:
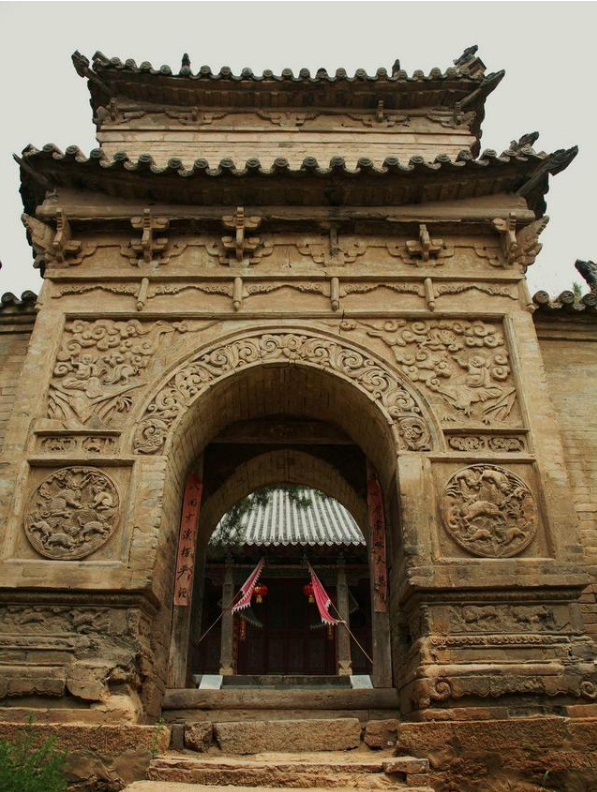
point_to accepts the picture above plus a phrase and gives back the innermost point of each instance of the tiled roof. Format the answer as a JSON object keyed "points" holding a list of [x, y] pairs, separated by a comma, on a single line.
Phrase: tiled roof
{"points": [[519, 170], [282, 522], [463, 84], [102, 64], [565, 304], [10, 303]]}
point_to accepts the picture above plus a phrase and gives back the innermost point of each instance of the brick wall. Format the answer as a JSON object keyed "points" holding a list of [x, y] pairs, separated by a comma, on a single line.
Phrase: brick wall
{"points": [[16, 324], [569, 348]]}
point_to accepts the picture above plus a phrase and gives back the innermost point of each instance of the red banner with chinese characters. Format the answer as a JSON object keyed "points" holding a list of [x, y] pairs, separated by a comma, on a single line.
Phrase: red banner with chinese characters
{"points": [[377, 527], [186, 540]]}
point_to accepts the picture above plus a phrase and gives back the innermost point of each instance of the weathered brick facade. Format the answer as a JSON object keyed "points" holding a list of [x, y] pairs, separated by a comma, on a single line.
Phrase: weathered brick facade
{"points": [[220, 281]]}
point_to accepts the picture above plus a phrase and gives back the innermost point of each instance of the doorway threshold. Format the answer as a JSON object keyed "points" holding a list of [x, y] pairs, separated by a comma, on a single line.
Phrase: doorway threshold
{"points": [[281, 682]]}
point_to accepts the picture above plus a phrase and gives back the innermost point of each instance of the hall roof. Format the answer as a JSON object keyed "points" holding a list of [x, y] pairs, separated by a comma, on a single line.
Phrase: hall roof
{"points": [[112, 78], [518, 170], [282, 522]]}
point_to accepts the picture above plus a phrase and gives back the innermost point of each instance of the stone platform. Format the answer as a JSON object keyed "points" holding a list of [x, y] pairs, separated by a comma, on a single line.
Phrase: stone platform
{"points": [[250, 703]]}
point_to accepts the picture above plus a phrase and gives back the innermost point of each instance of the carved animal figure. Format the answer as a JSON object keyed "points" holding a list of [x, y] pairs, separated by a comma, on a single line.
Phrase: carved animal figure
{"points": [[91, 529], [60, 539], [588, 269], [480, 508]]}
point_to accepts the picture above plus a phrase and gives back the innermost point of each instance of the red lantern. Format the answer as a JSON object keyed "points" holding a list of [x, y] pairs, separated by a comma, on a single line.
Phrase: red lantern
{"points": [[308, 592], [261, 591]]}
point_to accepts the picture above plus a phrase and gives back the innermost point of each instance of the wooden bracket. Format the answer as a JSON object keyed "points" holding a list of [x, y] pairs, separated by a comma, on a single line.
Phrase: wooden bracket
{"points": [[238, 245], [425, 248], [150, 246]]}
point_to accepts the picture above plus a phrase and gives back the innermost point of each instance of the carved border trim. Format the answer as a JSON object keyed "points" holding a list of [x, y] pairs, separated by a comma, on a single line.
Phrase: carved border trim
{"points": [[404, 409]]}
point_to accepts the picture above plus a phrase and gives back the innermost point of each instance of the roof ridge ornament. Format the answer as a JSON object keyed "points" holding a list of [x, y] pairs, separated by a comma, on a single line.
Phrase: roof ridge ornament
{"points": [[470, 63]]}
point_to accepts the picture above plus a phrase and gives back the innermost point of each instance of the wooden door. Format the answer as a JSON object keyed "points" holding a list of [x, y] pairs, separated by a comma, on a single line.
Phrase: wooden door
{"points": [[287, 644]]}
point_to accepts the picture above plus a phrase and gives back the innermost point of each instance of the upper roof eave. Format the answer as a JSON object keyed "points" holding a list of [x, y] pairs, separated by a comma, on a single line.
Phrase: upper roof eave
{"points": [[455, 88], [522, 171]]}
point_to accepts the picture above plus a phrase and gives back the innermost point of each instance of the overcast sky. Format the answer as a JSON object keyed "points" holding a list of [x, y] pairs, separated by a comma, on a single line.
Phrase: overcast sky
{"points": [[546, 49]]}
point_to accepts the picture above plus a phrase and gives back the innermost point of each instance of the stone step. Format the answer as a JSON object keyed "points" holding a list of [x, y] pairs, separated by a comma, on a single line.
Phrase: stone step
{"points": [[169, 786], [339, 734], [179, 704], [332, 770], [226, 715]]}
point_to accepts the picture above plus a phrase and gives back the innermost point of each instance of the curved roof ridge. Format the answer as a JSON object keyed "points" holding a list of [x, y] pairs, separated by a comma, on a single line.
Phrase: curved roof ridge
{"points": [[100, 63]]}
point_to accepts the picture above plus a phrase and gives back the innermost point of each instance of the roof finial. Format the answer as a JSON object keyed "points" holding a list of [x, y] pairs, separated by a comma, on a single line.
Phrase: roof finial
{"points": [[526, 141], [395, 67], [470, 63], [186, 61], [588, 269]]}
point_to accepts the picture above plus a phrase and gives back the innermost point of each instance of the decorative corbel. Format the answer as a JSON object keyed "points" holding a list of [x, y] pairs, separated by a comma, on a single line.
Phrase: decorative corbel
{"points": [[150, 247], [429, 294], [426, 249], [141, 298], [335, 293], [335, 253], [237, 294], [240, 244], [520, 248], [51, 246]]}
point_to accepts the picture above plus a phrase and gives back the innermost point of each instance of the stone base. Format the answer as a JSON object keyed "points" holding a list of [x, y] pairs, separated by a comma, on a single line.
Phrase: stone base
{"points": [[526, 754], [99, 757]]}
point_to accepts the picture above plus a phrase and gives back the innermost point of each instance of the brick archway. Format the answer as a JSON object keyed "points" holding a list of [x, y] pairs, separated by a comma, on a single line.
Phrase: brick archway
{"points": [[284, 466]]}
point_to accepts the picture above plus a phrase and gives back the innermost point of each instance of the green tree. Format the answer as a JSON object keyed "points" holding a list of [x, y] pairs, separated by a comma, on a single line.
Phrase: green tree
{"points": [[26, 765], [577, 291]]}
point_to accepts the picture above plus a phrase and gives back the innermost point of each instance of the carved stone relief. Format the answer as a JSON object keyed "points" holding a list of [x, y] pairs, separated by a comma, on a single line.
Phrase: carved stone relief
{"points": [[489, 511], [98, 367], [85, 444], [507, 618], [463, 365], [72, 513], [198, 374], [496, 443]]}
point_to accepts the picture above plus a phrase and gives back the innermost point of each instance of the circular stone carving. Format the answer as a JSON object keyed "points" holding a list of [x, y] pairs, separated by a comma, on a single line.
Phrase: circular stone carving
{"points": [[489, 511], [72, 513]]}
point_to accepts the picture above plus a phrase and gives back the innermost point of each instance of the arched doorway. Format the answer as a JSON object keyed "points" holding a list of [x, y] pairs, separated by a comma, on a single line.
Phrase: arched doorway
{"points": [[273, 391], [295, 424]]}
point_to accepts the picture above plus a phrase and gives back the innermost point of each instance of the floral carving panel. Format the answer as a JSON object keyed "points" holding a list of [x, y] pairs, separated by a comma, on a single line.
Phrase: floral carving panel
{"points": [[489, 511], [72, 513], [463, 365], [195, 377], [99, 366]]}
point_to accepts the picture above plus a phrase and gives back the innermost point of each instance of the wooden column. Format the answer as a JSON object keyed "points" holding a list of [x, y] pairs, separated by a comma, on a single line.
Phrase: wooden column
{"points": [[342, 636], [227, 645]]}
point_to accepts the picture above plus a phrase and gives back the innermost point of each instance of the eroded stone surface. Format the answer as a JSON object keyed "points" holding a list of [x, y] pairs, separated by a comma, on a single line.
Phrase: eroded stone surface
{"points": [[298, 735], [197, 736], [381, 733]]}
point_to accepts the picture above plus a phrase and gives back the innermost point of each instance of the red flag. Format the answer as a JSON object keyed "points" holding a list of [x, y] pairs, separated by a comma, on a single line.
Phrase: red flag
{"points": [[247, 588], [322, 599]]}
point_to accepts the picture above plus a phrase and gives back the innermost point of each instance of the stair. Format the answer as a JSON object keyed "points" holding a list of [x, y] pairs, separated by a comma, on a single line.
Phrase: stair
{"points": [[364, 770], [263, 756], [248, 702]]}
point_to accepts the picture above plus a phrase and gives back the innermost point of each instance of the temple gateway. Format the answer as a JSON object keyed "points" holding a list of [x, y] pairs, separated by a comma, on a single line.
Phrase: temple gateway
{"points": [[265, 289]]}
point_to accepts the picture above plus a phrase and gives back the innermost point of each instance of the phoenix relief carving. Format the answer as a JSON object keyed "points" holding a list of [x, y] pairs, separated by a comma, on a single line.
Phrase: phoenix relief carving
{"points": [[73, 512], [464, 365], [489, 511], [99, 365]]}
